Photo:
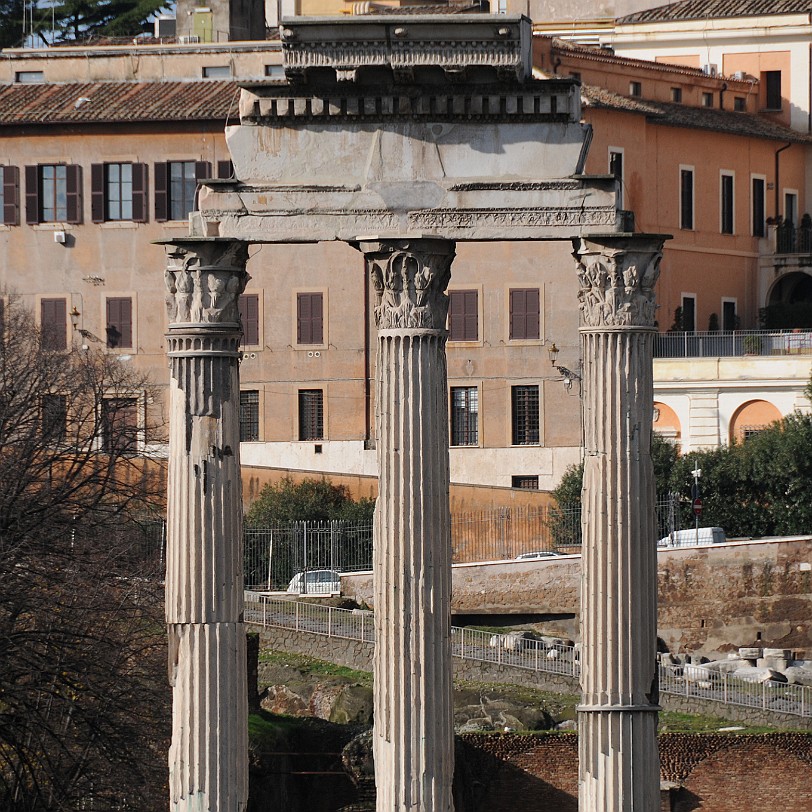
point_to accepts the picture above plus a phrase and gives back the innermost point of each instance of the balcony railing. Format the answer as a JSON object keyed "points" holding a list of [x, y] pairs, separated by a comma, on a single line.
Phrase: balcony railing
{"points": [[792, 240], [732, 343]]}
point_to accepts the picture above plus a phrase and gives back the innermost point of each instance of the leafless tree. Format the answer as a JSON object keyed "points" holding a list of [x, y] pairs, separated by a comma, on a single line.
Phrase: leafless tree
{"points": [[83, 698]]}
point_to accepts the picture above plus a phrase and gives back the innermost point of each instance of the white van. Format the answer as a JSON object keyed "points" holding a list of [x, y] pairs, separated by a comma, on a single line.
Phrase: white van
{"points": [[693, 537]]}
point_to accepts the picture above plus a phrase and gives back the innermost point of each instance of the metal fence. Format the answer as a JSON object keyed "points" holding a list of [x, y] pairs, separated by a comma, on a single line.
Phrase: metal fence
{"points": [[314, 553], [548, 655], [732, 343]]}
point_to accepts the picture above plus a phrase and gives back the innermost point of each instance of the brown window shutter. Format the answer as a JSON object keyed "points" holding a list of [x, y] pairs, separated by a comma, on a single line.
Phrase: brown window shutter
{"points": [[32, 194], [11, 196], [2, 320], [524, 314], [317, 318], [303, 319], [532, 313], [225, 170], [161, 192], [464, 315], [74, 188], [140, 207], [97, 193], [119, 322], [249, 316], [202, 171], [53, 315]]}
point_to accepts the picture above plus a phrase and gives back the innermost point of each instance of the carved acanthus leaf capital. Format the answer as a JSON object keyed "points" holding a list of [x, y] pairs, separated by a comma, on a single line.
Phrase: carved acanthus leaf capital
{"points": [[409, 278], [617, 276], [204, 281]]}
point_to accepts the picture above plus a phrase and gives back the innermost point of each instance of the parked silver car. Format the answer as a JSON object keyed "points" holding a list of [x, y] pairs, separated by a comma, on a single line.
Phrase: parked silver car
{"points": [[315, 582]]}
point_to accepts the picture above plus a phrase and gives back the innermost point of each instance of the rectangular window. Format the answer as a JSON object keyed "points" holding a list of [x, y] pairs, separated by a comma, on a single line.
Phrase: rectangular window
{"points": [[216, 72], [249, 416], [635, 89], [464, 415], [707, 99], [524, 314], [29, 76], [739, 104], [53, 193], [119, 425], [616, 170], [248, 305], [759, 229], [729, 317], [525, 483], [309, 318], [525, 415], [791, 208], [10, 195], [686, 198], [118, 191], [54, 418], [688, 320], [311, 414], [119, 322], [676, 94], [771, 82], [727, 208], [463, 315], [53, 324], [176, 187]]}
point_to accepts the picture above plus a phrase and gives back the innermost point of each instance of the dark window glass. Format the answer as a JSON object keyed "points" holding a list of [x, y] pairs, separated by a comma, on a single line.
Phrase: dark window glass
{"points": [[182, 187], [727, 204], [524, 313], [53, 324], [707, 99], [309, 318], [463, 315], [758, 208], [119, 322], [249, 416], [729, 316], [676, 94], [249, 316], [525, 483], [686, 198], [771, 80], [54, 418], [119, 182], [464, 415], [688, 313], [616, 170], [119, 425], [739, 104], [53, 193], [635, 89], [311, 414], [525, 415]]}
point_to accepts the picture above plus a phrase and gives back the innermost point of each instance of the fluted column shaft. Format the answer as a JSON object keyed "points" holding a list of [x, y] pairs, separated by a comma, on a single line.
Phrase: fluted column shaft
{"points": [[619, 761], [204, 570], [414, 733]]}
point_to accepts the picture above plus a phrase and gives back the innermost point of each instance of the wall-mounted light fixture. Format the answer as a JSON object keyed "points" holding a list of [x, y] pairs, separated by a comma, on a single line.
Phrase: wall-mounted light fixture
{"points": [[568, 375], [74, 317]]}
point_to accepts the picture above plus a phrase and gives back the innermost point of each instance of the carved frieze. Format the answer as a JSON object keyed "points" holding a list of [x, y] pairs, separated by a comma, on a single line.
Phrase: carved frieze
{"points": [[430, 219], [617, 278], [204, 280], [409, 278]]}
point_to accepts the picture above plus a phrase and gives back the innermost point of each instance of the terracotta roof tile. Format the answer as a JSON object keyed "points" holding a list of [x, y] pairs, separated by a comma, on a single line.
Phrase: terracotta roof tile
{"points": [[102, 102], [709, 9], [702, 118]]}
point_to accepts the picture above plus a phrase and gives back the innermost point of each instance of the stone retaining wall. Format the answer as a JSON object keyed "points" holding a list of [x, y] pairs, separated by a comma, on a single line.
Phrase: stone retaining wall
{"points": [[358, 655]]}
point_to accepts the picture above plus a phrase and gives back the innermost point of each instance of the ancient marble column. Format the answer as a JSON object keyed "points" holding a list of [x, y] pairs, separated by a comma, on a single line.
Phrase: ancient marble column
{"points": [[617, 721], [204, 570], [413, 740]]}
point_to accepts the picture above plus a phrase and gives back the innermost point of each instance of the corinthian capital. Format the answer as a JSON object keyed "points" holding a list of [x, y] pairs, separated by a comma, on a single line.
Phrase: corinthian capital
{"points": [[617, 275], [409, 278], [204, 279]]}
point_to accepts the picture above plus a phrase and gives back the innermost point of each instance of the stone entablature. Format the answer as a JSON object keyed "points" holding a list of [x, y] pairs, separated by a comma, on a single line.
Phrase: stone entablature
{"points": [[403, 43]]}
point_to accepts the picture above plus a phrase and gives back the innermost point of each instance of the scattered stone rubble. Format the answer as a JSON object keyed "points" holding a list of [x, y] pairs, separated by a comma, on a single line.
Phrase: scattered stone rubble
{"points": [[749, 663]]}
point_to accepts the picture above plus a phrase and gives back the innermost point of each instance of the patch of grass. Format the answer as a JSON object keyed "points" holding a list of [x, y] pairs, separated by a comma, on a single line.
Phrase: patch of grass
{"points": [[677, 722], [312, 666], [559, 706]]}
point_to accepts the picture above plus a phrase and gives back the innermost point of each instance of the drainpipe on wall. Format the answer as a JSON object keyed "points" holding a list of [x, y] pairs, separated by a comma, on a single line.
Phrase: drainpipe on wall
{"points": [[722, 96], [778, 176]]}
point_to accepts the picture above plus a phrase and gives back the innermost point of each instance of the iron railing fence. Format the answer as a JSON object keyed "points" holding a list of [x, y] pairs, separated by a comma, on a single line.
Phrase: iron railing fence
{"points": [[732, 343], [315, 553], [547, 655], [792, 240]]}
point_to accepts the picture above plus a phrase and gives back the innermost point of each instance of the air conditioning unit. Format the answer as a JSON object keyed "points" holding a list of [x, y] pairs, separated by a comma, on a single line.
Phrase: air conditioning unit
{"points": [[710, 70], [60, 237], [189, 39], [739, 76]]}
